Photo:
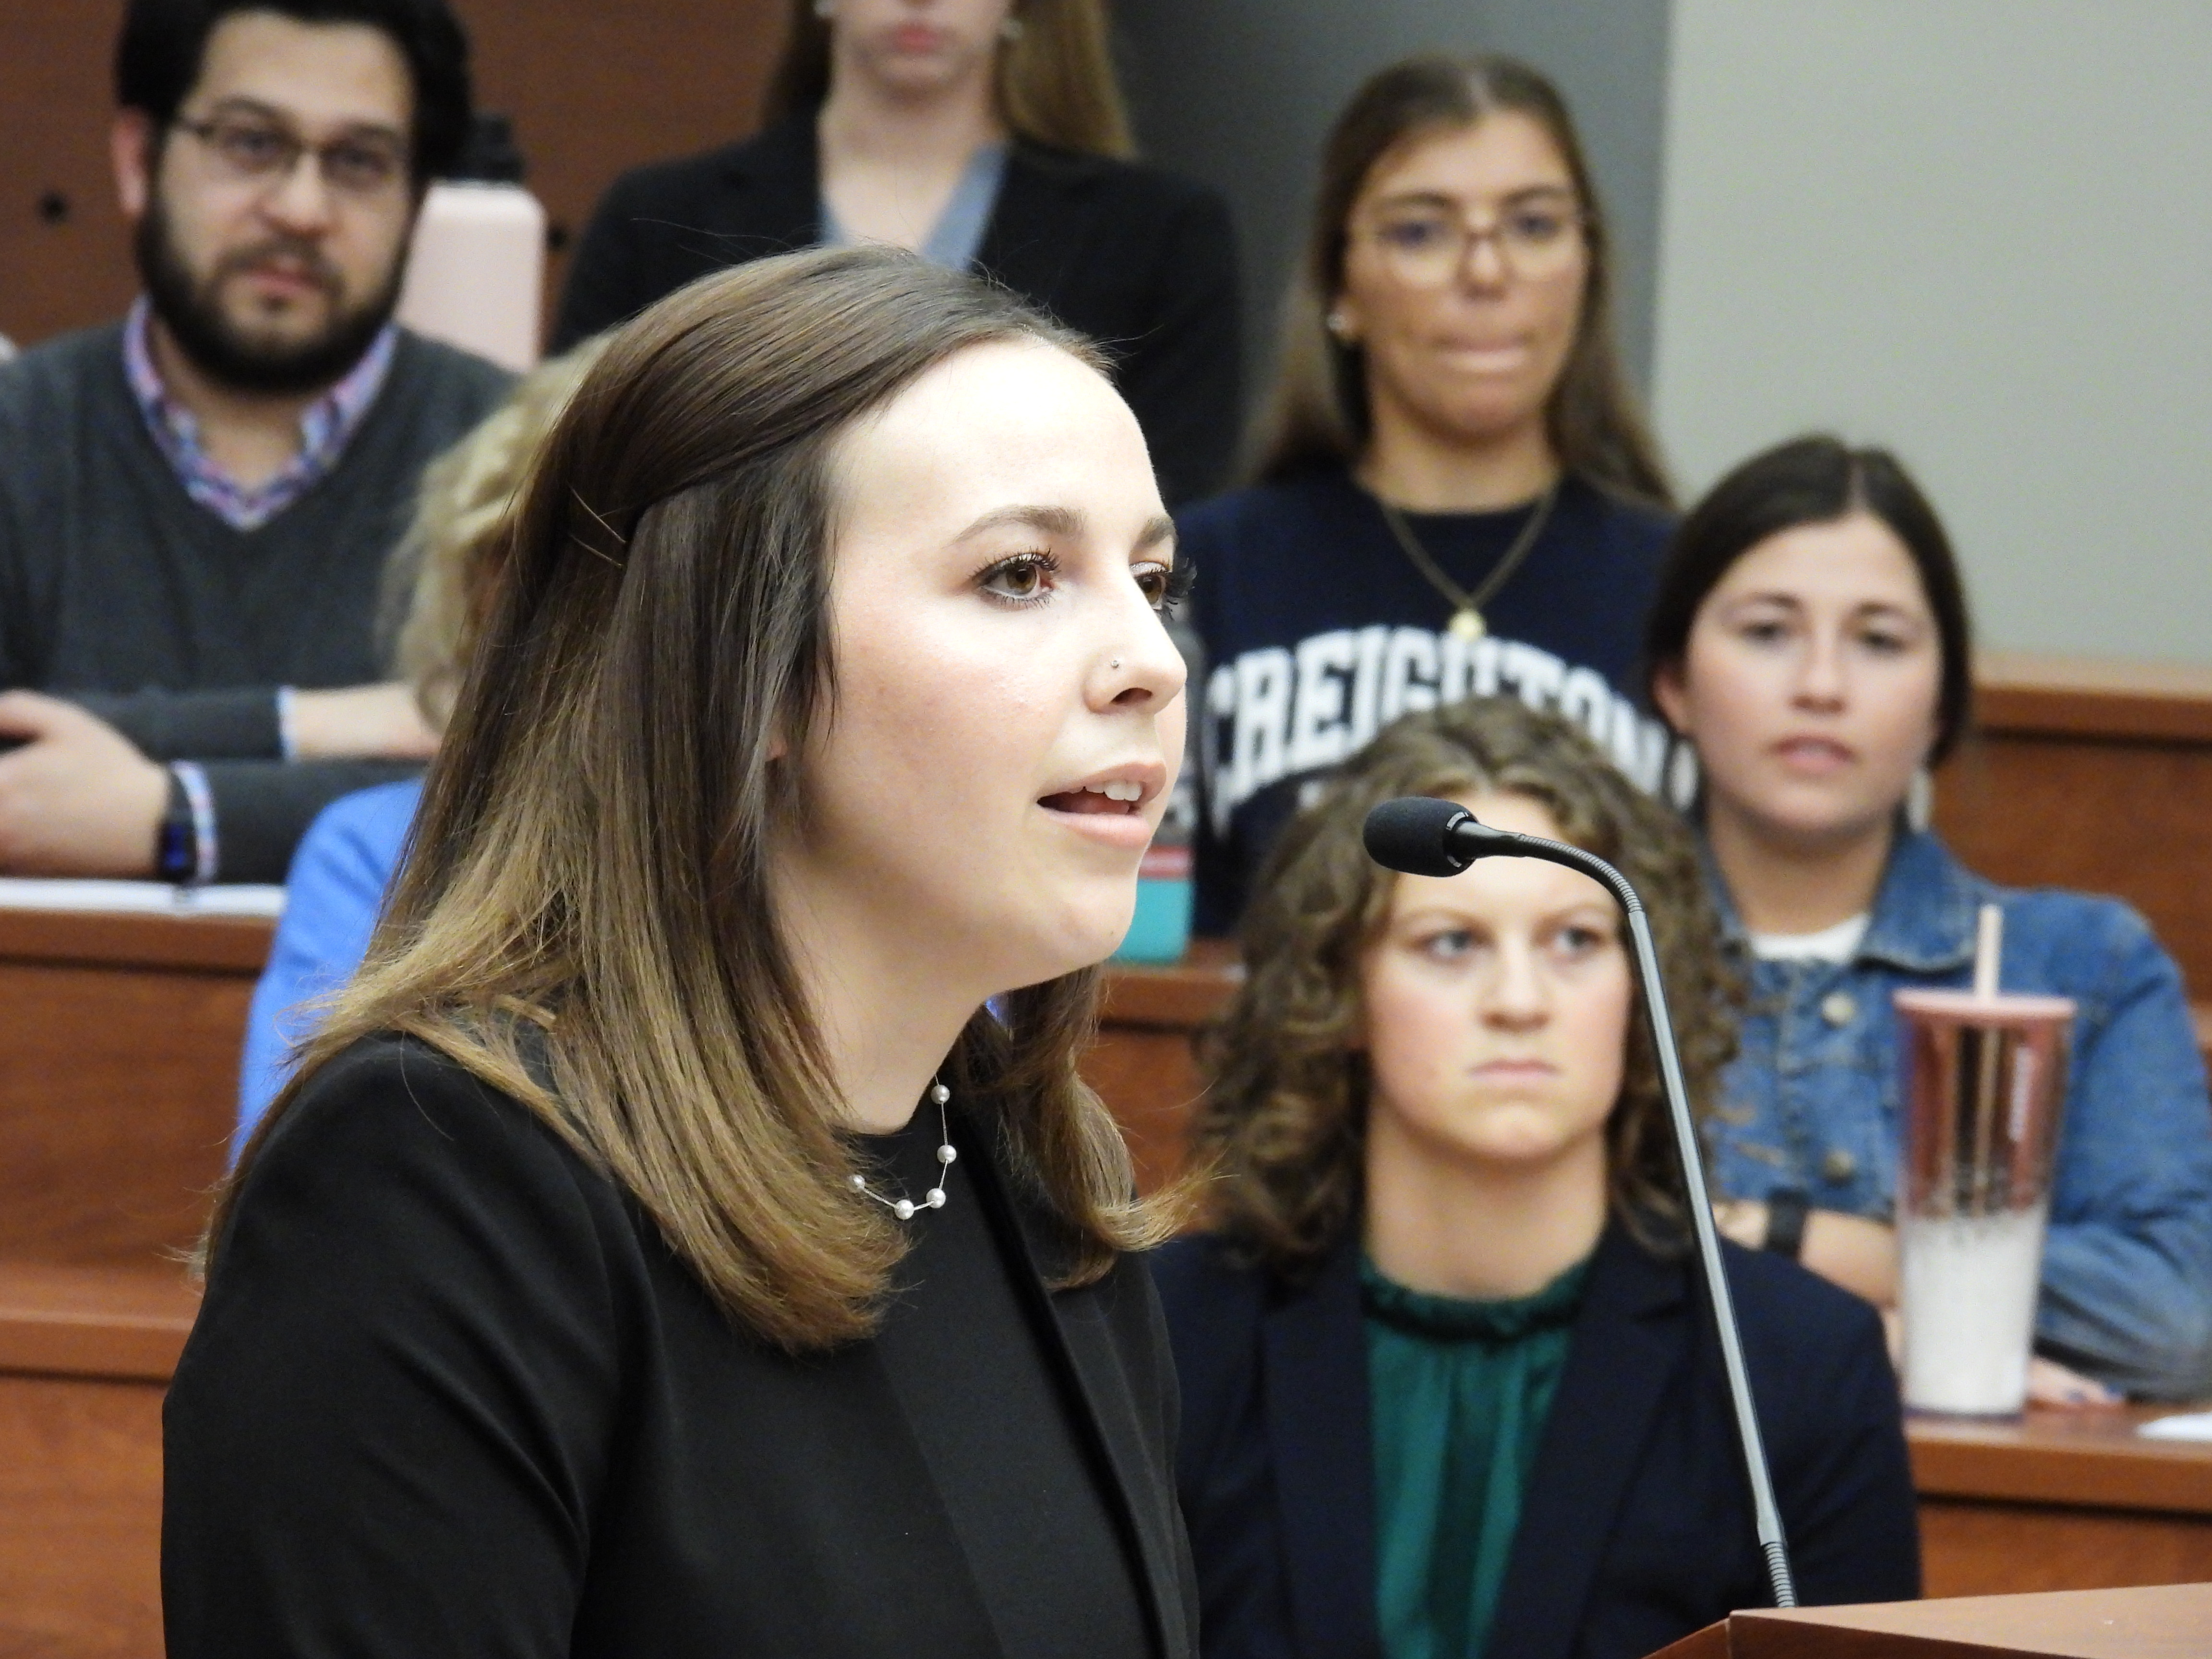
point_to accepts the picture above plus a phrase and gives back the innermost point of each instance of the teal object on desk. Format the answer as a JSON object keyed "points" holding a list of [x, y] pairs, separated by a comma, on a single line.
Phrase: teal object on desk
{"points": [[1161, 928]]}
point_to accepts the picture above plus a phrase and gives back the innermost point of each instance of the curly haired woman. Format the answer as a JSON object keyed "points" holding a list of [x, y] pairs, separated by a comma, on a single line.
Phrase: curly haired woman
{"points": [[1449, 1387]]}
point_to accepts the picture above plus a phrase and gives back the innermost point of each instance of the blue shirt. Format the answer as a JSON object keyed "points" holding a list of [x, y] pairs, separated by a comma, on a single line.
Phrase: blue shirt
{"points": [[335, 888], [1815, 1101], [957, 235]]}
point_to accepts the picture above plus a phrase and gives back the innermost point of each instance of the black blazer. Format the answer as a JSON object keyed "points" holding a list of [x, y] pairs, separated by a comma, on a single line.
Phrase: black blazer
{"points": [[1637, 1527], [1141, 260], [450, 1393]]}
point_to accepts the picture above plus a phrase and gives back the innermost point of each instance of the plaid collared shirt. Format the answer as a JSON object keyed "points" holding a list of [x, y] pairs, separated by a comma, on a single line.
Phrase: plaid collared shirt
{"points": [[325, 428]]}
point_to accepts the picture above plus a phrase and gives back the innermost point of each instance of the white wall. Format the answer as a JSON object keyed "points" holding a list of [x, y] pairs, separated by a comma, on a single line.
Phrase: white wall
{"points": [[1979, 232]]}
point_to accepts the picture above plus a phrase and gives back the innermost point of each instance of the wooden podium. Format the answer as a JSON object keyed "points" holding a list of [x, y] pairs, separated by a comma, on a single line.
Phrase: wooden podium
{"points": [[2165, 1622]]}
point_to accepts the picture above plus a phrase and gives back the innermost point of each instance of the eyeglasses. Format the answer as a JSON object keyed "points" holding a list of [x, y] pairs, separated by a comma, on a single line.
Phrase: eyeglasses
{"points": [[1428, 247], [266, 153]]}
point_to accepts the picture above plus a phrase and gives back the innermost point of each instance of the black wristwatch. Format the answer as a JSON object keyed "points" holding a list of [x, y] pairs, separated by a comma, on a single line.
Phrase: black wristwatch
{"points": [[1786, 1209], [176, 844]]}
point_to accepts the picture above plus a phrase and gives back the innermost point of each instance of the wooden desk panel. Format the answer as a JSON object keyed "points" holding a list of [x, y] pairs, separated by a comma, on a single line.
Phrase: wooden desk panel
{"points": [[80, 1518], [2095, 776], [1143, 1066], [2133, 819], [119, 1040], [2090, 1458], [1969, 1547], [2060, 1500], [120, 1324], [85, 1356], [2170, 1621]]}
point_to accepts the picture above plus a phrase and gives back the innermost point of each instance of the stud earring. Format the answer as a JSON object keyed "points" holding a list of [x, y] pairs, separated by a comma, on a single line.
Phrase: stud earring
{"points": [[1339, 325], [1011, 30]]}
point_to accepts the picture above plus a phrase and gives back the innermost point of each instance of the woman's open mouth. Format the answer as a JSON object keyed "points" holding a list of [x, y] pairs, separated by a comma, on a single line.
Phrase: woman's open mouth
{"points": [[1117, 799]]}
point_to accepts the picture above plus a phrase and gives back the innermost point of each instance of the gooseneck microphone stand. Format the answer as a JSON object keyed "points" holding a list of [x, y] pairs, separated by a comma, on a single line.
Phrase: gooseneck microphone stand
{"points": [[1418, 836]]}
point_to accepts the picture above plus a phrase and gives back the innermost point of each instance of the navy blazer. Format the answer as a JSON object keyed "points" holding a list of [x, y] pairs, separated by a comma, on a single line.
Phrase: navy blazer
{"points": [[1142, 261], [1637, 1527]]}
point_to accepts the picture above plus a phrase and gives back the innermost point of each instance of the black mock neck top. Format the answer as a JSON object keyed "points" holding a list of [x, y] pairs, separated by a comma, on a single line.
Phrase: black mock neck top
{"points": [[450, 1392], [995, 1425]]}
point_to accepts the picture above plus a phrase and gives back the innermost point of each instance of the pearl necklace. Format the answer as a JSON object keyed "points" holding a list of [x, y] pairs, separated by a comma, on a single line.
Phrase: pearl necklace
{"points": [[904, 1208]]}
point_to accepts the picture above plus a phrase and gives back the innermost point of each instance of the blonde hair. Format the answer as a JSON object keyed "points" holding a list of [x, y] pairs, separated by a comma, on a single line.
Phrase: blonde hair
{"points": [[586, 919], [1055, 81], [443, 567]]}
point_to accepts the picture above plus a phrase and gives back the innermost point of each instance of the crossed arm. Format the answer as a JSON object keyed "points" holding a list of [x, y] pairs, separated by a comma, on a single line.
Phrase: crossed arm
{"points": [[80, 797]]}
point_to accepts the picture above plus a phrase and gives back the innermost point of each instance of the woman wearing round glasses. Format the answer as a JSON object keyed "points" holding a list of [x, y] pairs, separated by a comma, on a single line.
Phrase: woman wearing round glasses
{"points": [[1456, 495]]}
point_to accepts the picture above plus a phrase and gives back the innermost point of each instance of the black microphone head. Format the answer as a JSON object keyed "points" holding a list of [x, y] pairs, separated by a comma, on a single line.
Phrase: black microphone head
{"points": [[1412, 836]]}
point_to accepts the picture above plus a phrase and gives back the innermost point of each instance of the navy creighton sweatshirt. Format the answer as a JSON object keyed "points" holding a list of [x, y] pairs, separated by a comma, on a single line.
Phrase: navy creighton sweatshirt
{"points": [[1320, 631]]}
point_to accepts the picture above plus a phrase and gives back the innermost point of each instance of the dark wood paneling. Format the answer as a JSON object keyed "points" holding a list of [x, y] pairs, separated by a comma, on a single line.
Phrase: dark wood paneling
{"points": [[2059, 1500], [2082, 1459], [2162, 1622], [594, 86], [118, 1080], [116, 1323], [80, 1518], [2026, 691], [1970, 1548], [56, 105], [2095, 776], [1142, 1066], [2101, 814]]}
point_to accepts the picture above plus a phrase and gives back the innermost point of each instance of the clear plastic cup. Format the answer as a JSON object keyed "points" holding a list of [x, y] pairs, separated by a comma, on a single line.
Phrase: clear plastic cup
{"points": [[1985, 1086]]}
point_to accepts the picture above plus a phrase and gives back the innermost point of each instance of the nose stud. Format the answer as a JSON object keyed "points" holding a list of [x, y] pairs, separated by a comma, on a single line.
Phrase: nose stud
{"points": [[1116, 663]]}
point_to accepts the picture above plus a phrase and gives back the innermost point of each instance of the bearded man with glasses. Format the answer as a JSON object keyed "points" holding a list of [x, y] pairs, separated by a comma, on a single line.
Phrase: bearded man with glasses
{"points": [[195, 501]]}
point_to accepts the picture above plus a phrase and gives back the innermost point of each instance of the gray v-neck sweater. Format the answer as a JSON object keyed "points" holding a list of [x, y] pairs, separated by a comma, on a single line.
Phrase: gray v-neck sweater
{"points": [[118, 591]]}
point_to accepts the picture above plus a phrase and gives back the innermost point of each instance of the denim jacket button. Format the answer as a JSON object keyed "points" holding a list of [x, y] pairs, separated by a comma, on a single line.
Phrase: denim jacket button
{"points": [[1837, 1166], [1840, 1007]]}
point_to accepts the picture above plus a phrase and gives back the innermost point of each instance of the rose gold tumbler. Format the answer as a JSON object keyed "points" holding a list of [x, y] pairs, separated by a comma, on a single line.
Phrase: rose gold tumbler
{"points": [[1986, 1085]]}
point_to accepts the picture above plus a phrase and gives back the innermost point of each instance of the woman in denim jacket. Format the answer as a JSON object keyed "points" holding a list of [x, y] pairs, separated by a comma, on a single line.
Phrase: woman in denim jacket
{"points": [[1810, 639]]}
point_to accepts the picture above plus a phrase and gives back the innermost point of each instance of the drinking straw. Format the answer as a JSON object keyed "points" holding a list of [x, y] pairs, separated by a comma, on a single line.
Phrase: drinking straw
{"points": [[1989, 947]]}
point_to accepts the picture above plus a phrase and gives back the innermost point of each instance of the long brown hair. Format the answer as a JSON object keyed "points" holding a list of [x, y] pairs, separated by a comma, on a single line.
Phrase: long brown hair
{"points": [[1055, 80], [1283, 1126], [587, 919], [1318, 412]]}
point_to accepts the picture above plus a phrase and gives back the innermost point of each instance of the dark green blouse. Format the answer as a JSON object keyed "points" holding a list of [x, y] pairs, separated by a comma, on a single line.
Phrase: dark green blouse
{"points": [[1459, 1393]]}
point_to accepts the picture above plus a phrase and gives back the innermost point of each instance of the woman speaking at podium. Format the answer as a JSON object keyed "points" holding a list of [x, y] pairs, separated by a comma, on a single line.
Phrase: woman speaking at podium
{"points": [[663, 1249]]}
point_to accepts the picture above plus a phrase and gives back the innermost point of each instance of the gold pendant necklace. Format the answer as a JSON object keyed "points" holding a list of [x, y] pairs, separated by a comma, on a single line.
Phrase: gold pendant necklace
{"points": [[1466, 621]]}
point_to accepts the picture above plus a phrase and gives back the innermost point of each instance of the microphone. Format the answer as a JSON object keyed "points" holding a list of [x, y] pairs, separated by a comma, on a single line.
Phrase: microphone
{"points": [[1418, 836]]}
